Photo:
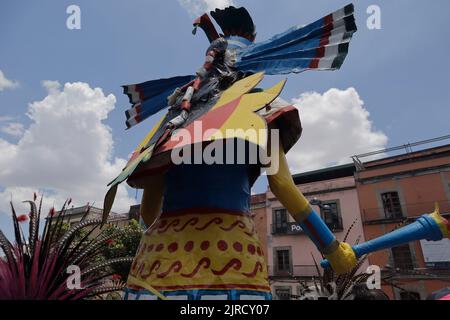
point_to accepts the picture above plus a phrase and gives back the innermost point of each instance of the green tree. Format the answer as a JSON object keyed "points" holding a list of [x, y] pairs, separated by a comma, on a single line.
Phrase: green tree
{"points": [[125, 244]]}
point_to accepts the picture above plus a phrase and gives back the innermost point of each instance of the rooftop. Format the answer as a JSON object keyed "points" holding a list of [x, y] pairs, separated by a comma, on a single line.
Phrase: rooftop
{"points": [[258, 198], [345, 170], [93, 211], [404, 153]]}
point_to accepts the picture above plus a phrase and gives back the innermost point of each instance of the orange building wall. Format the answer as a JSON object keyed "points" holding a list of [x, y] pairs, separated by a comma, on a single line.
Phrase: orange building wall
{"points": [[420, 182]]}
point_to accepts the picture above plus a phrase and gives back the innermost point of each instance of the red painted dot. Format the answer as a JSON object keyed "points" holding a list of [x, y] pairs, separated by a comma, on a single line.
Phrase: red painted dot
{"points": [[259, 251], [251, 248], [189, 245], [237, 246], [150, 247], [172, 247], [222, 245], [162, 223], [159, 247], [204, 245]]}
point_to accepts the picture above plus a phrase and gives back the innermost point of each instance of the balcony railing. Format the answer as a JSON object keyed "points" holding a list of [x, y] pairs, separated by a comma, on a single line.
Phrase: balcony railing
{"points": [[294, 271], [409, 211]]}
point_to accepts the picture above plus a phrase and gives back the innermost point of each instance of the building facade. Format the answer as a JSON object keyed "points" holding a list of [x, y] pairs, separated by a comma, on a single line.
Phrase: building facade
{"points": [[399, 189], [374, 198], [289, 253], [75, 214]]}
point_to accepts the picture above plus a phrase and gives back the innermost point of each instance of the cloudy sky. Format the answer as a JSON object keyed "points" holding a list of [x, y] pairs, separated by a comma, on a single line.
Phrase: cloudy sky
{"points": [[61, 106]]}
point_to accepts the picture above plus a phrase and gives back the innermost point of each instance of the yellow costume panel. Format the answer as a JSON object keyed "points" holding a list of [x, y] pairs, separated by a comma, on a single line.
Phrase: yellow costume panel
{"points": [[188, 251]]}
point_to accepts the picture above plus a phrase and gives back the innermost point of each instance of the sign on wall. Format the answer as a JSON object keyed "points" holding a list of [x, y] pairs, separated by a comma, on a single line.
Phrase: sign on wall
{"points": [[436, 253], [293, 228]]}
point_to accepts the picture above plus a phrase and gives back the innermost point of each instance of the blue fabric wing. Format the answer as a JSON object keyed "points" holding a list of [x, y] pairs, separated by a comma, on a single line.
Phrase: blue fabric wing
{"points": [[321, 45], [150, 97]]}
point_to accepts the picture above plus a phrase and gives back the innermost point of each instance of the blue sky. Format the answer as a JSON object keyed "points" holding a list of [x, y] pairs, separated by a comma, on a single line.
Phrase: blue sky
{"points": [[400, 72]]}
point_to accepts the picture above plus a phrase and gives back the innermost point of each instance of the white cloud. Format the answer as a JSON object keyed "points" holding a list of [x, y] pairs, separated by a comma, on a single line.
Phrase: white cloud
{"points": [[6, 83], [67, 151], [336, 126], [51, 86], [6, 118], [197, 7], [13, 129]]}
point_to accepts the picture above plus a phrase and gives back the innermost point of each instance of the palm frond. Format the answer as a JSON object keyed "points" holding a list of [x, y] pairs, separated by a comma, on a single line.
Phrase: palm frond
{"points": [[341, 286], [6, 246], [350, 229], [114, 286], [74, 229], [106, 264], [322, 284], [33, 225], [37, 268]]}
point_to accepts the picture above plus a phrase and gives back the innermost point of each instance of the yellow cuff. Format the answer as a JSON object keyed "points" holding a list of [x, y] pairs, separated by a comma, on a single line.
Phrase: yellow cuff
{"points": [[343, 259], [443, 224]]}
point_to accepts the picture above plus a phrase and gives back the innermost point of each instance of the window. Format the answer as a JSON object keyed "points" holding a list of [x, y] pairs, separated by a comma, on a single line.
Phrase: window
{"points": [[280, 221], [409, 295], [283, 293], [282, 260], [402, 257], [331, 214], [391, 205]]}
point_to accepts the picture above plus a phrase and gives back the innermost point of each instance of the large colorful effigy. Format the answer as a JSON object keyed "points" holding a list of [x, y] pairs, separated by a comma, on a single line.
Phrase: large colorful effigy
{"points": [[201, 241]]}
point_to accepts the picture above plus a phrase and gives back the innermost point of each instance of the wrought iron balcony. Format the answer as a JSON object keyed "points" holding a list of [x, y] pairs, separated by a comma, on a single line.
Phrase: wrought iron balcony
{"points": [[294, 271], [410, 211]]}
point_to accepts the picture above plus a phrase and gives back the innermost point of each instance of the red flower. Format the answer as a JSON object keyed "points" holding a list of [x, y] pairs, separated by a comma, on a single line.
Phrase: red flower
{"points": [[22, 218], [116, 276], [110, 242], [51, 213]]}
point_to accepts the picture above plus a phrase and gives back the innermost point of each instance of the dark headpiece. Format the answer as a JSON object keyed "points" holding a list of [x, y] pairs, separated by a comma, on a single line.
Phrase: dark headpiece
{"points": [[233, 22]]}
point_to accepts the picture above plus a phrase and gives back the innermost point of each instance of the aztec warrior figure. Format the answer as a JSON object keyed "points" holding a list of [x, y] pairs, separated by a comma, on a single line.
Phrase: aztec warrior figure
{"points": [[201, 241]]}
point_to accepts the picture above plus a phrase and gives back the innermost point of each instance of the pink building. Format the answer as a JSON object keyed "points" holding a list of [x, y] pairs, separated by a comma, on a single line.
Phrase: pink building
{"points": [[333, 191]]}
